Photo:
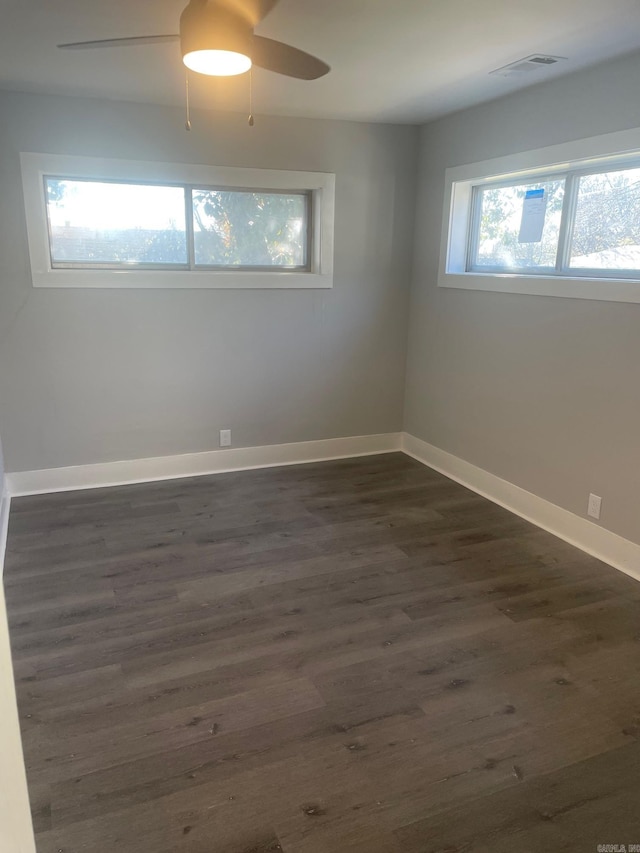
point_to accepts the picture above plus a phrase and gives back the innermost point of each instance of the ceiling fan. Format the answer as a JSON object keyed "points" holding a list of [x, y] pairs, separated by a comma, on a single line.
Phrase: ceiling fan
{"points": [[217, 38]]}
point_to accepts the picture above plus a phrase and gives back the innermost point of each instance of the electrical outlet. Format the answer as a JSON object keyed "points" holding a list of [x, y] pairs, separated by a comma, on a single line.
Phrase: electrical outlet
{"points": [[593, 509], [225, 438]]}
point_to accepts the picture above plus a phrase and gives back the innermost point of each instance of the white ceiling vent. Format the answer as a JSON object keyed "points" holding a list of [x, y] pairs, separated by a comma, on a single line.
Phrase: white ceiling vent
{"points": [[530, 63]]}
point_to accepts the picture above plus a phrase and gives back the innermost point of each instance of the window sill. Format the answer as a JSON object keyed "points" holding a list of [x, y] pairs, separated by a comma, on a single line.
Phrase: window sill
{"points": [[605, 290], [181, 280]]}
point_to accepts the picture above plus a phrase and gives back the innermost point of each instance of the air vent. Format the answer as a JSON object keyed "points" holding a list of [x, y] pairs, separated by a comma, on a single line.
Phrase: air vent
{"points": [[525, 66]]}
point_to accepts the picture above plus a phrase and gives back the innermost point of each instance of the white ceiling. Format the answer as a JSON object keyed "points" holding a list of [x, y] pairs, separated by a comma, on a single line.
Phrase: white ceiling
{"points": [[392, 60]]}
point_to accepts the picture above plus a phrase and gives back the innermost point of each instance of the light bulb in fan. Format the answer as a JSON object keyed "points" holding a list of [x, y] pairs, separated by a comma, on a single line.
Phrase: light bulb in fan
{"points": [[217, 63]]}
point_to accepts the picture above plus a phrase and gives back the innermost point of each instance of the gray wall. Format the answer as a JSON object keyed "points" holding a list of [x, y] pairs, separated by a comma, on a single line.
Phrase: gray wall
{"points": [[97, 375], [544, 392]]}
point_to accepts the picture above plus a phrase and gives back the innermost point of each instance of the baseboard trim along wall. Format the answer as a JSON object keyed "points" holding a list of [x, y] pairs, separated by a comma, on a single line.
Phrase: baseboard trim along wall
{"points": [[591, 538], [104, 474], [585, 535], [16, 831], [5, 505]]}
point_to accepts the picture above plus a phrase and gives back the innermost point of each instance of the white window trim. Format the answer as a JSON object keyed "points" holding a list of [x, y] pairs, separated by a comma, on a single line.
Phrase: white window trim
{"points": [[321, 184], [611, 148]]}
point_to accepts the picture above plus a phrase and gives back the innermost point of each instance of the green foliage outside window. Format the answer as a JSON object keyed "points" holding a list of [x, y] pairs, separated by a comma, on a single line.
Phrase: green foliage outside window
{"points": [[249, 228]]}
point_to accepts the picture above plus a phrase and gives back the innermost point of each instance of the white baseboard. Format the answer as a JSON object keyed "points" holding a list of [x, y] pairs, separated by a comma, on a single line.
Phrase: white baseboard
{"points": [[5, 503], [589, 537], [16, 830], [196, 464]]}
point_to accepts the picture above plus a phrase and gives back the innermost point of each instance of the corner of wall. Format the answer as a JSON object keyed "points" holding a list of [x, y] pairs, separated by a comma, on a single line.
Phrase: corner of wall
{"points": [[597, 541]]}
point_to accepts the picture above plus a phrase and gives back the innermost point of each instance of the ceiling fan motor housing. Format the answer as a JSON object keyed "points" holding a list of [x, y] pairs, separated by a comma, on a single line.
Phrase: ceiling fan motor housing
{"points": [[211, 26]]}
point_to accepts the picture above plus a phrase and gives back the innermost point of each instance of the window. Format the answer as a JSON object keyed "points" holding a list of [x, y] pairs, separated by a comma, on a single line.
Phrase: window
{"points": [[94, 223], [606, 226], [250, 229], [500, 243], [568, 228]]}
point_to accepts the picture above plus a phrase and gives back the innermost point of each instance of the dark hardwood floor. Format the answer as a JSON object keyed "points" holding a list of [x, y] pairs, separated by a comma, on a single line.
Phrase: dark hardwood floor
{"points": [[349, 657]]}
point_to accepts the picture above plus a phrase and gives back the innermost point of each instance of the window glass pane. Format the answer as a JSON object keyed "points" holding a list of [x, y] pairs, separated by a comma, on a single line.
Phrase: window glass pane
{"points": [[110, 223], [519, 225], [607, 225], [250, 229]]}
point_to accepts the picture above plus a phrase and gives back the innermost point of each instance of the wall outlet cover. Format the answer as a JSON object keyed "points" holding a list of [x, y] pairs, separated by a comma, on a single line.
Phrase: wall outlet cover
{"points": [[594, 506]]}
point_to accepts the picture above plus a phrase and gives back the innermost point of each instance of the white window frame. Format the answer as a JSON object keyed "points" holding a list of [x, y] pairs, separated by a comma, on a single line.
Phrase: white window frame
{"points": [[599, 153], [321, 185]]}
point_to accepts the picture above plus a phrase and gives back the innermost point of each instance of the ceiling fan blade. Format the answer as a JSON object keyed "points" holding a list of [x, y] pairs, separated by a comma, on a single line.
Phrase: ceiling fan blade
{"points": [[284, 59], [125, 42]]}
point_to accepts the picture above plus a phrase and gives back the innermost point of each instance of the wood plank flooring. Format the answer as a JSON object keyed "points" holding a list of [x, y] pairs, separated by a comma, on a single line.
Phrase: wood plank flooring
{"points": [[349, 657]]}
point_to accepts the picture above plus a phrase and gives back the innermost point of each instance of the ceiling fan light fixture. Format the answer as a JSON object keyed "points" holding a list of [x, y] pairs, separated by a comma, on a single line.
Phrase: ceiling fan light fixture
{"points": [[214, 40], [217, 63]]}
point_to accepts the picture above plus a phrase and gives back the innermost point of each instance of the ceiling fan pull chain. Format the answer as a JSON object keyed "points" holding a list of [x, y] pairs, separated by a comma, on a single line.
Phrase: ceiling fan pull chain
{"points": [[251, 121], [187, 123]]}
